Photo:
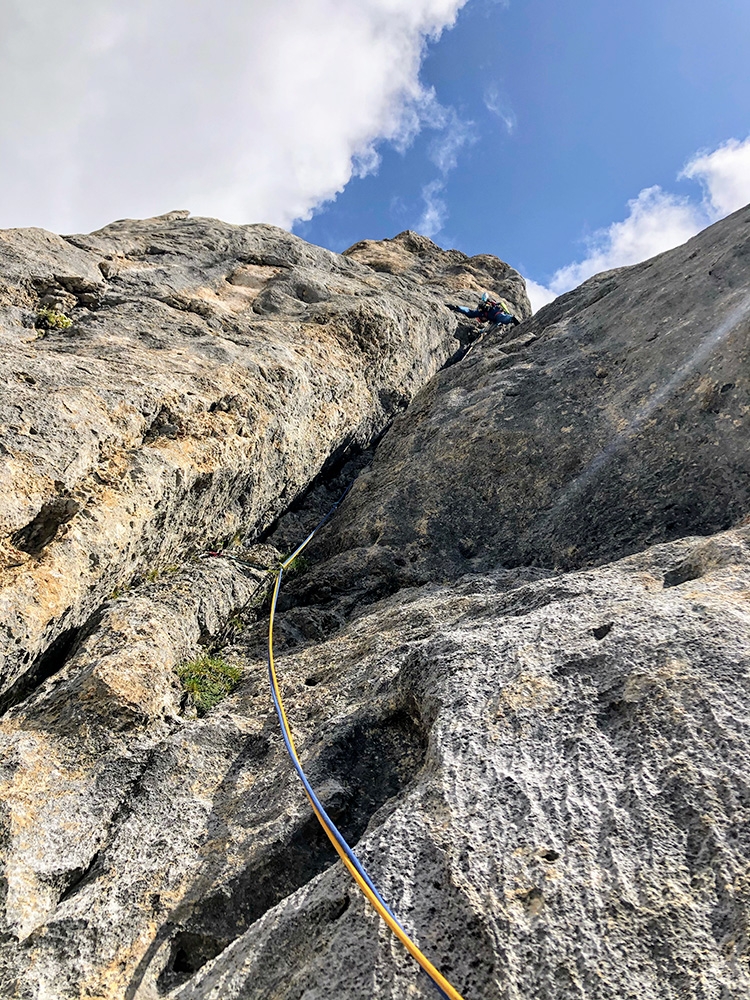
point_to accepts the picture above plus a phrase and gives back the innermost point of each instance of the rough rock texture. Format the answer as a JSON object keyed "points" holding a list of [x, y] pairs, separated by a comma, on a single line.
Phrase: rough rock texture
{"points": [[209, 374], [576, 824], [549, 783], [540, 748], [617, 417]]}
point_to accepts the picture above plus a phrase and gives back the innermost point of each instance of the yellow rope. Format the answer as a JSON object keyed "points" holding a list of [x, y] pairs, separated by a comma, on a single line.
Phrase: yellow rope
{"points": [[440, 981]]}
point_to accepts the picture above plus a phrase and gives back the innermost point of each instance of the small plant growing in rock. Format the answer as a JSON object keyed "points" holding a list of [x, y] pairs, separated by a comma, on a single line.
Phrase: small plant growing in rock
{"points": [[51, 319], [298, 565], [120, 589], [207, 680]]}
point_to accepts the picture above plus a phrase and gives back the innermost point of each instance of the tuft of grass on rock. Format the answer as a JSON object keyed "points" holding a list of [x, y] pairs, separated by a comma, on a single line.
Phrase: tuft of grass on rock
{"points": [[298, 565], [51, 319], [207, 680]]}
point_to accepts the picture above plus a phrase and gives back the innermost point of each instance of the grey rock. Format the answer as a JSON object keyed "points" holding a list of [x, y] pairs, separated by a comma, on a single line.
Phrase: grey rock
{"points": [[617, 417], [547, 783], [209, 374], [578, 826], [539, 751]]}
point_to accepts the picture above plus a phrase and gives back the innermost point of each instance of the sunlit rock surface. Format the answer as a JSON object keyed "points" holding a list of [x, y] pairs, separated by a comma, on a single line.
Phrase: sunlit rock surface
{"points": [[209, 373], [577, 821], [516, 661]]}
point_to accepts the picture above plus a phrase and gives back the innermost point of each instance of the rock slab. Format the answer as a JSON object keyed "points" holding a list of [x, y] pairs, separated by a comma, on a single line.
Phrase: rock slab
{"points": [[616, 418]]}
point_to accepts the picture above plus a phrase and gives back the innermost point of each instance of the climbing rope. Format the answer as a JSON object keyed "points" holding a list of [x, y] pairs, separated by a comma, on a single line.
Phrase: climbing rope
{"points": [[347, 855]]}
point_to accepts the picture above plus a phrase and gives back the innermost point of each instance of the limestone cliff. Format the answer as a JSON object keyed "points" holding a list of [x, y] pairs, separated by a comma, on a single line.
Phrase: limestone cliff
{"points": [[616, 418], [209, 373], [516, 661]]}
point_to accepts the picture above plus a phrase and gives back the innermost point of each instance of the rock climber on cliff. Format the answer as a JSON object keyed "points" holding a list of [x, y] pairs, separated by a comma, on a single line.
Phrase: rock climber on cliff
{"points": [[489, 311]]}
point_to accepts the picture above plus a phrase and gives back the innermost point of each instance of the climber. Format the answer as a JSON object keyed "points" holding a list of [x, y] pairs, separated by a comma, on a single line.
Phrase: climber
{"points": [[488, 311]]}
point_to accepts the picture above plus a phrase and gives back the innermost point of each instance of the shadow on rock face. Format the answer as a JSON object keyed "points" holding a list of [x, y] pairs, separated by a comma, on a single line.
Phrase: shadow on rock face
{"points": [[210, 372], [40, 531], [367, 762], [613, 429]]}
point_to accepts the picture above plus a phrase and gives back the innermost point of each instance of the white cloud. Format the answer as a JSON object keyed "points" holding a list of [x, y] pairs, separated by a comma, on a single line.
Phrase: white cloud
{"points": [[538, 295], [500, 105], [453, 134], [658, 221], [247, 111], [435, 210], [725, 175]]}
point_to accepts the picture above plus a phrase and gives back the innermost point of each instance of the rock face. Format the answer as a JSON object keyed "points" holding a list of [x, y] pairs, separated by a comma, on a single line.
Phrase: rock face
{"points": [[568, 763], [209, 373], [619, 416], [516, 661]]}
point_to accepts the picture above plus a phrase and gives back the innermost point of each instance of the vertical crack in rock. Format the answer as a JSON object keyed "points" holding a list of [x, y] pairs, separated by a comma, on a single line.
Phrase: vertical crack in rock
{"points": [[75, 880], [197, 393], [45, 665], [363, 766]]}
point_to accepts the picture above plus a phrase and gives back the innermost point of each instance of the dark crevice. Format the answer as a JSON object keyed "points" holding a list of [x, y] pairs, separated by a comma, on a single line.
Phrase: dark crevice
{"points": [[164, 424], [40, 531], [468, 336], [685, 571], [135, 790], [189, 953], [369, 763], [338, 473], [49, 662], [602, 630], [77, 878], [339, 908], [43, 667]]}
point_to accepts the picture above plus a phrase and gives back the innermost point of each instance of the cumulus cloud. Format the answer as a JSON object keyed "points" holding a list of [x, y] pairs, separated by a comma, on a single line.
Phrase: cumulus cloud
{"points": [[246, 111], [658, 220], [539, 295], [725, 175]]}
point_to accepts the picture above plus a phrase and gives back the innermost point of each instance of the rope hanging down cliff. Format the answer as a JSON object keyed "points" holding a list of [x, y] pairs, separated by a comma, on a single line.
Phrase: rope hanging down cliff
{"points": [[345, 852]]}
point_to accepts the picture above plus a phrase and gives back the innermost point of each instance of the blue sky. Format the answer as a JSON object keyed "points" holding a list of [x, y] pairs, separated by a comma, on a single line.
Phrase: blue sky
{"points": [[593, 103], [564, 137]]}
